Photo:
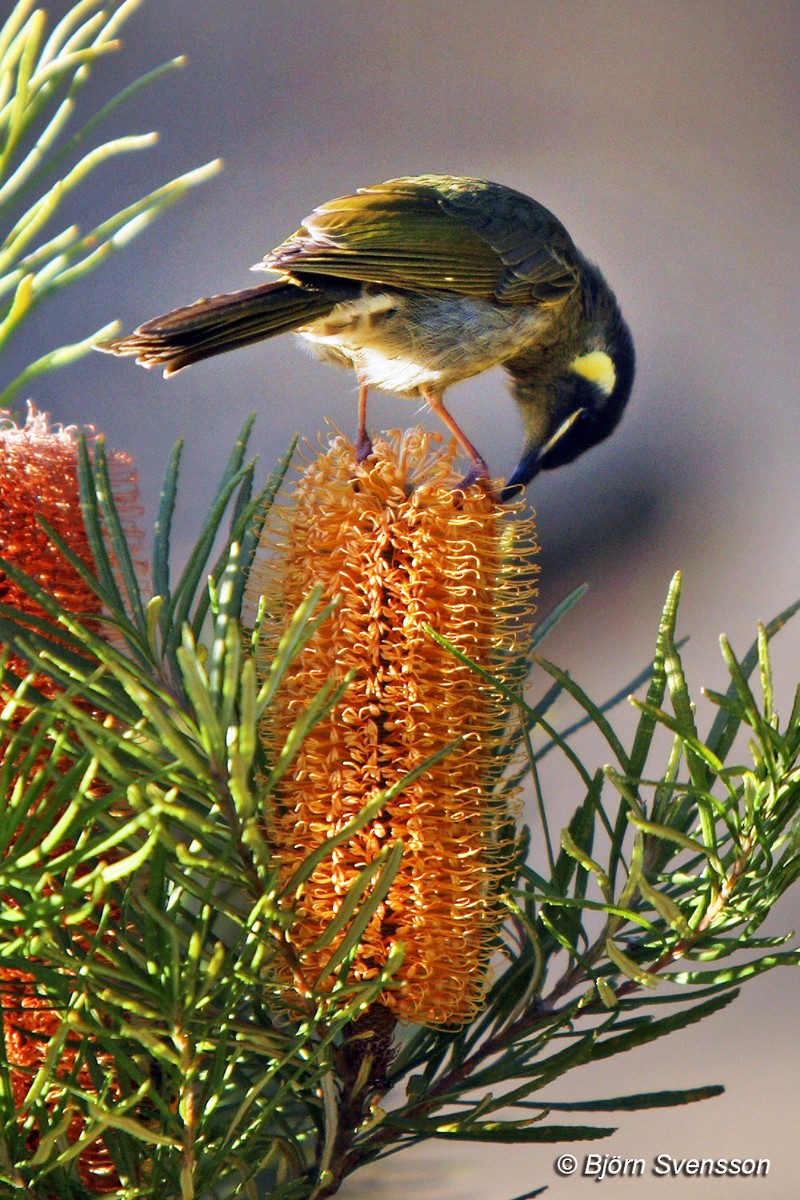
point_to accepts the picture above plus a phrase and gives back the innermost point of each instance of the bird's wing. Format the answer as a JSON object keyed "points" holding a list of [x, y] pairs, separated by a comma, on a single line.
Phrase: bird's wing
{"points": [[441, 234]]}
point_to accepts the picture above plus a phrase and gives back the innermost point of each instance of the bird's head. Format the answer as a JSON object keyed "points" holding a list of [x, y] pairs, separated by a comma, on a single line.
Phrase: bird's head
{"points": [[584, 402]]}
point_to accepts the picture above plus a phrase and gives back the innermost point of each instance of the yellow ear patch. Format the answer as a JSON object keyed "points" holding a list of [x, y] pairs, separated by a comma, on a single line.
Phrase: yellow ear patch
{"points": [[598, 368]]}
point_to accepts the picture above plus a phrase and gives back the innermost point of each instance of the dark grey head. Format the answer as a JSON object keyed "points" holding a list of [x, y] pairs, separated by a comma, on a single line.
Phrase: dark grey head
{"points": [[585, 402]]}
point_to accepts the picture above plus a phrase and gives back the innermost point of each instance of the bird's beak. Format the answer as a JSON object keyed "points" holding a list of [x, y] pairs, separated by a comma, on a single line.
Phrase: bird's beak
{"points": [[527, 468], [532, 460]]}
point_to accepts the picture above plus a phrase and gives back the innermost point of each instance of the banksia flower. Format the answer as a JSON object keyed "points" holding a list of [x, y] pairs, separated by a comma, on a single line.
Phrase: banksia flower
{"points": [[402, 547], [38, 475], [30, 1022]]}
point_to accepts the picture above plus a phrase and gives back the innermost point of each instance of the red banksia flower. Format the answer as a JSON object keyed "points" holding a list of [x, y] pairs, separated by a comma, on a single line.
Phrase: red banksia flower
{"points": [[29, 1023], [402, 547], [39, 476]]}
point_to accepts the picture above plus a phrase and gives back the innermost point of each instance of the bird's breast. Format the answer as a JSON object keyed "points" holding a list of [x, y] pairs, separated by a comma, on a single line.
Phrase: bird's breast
{"points": [[404, 342]]}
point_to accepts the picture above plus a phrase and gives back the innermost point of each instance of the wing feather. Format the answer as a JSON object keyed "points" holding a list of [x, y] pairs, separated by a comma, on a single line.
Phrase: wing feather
{"points": [[441, 234]]}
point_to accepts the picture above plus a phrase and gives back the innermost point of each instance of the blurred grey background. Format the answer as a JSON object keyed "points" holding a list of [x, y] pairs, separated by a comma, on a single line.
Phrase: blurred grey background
{"points": [[664, 134]]}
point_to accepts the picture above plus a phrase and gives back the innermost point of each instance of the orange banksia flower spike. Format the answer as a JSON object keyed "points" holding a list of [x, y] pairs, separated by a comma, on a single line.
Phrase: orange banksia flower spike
{"points": [[402, 547], [39, 476]]}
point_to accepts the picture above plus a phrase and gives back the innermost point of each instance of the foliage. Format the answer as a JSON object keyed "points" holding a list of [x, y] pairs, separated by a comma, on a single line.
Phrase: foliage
{"points": [[664, 876], [43, 162]]}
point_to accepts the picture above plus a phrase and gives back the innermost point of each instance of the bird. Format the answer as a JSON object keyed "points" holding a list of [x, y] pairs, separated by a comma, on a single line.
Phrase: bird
{"points": [[418, 283]]}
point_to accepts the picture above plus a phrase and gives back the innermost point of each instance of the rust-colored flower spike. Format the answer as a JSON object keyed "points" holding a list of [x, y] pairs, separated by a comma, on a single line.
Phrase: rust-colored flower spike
{"points": [[29, 1024], [402, 547], [38, 475]]}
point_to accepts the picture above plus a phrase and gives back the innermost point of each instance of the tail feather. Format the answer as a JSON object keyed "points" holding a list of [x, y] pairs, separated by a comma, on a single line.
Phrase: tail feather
{"points": [[220, 323]]}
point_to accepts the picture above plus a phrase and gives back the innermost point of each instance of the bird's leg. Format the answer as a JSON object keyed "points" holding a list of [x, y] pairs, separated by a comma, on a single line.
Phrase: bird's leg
{"points": [[363, 443], [479, 469]]}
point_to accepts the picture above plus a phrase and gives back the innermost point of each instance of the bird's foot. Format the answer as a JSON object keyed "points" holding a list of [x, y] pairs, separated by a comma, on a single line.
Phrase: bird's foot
{"points": [[478, 473], [363, 441], [363, 446]]}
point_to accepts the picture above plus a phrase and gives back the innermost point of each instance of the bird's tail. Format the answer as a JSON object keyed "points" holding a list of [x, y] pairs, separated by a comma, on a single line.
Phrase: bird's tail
{"points": [[220, 323]]}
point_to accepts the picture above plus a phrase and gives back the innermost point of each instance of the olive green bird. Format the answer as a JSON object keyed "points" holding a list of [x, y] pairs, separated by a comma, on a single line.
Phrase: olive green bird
{"points": [[418, 283]]}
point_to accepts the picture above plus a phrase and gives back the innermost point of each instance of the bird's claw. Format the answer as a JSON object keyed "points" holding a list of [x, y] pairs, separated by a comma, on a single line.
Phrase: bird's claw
{"points": [[478, 473], [363, 447]]}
